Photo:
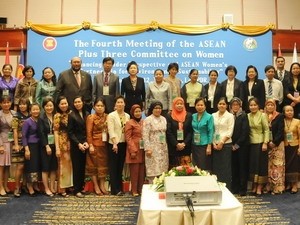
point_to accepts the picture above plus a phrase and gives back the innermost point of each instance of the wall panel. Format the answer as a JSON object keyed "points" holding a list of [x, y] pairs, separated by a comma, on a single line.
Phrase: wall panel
{"points": [[288, 14], [14, 10], [157, 10], [217, 8], [258, 12], [75, 12], [109, 13], [42, 12], [189, 12]]}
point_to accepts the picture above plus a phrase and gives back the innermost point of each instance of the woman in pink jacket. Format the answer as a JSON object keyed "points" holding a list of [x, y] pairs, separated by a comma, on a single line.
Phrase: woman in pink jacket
{"points": [[135, 155]]}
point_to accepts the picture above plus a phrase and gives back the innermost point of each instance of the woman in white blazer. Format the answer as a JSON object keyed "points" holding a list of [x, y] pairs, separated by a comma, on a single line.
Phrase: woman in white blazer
{"points": [[117, 146]]}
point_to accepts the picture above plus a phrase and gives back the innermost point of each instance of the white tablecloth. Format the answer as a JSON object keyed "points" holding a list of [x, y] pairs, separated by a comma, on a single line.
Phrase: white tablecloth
{"points": [[154, 211]]}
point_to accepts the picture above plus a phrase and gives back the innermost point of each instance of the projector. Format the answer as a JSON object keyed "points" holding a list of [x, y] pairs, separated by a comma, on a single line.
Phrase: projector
{"points": [[202, 190]]}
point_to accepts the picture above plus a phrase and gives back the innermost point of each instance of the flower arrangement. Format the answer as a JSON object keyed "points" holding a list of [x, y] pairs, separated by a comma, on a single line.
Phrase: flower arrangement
{"points": [[186, 170]]}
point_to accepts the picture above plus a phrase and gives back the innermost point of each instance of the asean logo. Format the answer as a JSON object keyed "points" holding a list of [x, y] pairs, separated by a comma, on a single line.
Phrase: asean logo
{"points": [[49, 43], [250, 44]]}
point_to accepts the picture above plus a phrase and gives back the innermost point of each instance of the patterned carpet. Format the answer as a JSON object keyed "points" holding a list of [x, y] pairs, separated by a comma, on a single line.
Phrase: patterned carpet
{"points": [[90, 210], [265, 210], [259, 211]]}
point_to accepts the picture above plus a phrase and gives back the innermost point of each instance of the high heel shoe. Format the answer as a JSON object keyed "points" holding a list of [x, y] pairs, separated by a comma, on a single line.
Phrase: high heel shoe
{"points": [[17, 193]]}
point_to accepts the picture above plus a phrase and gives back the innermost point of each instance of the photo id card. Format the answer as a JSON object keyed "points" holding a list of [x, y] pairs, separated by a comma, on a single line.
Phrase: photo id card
{"points": [[105, 90], [104, 136], [196, 137], [10, 136], [179, 135], [50, 139], [141, 144], [289, 136], [162, 138]]}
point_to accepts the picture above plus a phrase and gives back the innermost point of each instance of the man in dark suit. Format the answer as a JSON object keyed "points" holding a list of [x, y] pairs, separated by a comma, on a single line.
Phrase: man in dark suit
{"points": [[75, 82], [280, 73], [107, 85]]}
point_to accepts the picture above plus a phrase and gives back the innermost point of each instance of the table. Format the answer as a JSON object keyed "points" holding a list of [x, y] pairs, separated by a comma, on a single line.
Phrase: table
{"points": [[154, 211]]}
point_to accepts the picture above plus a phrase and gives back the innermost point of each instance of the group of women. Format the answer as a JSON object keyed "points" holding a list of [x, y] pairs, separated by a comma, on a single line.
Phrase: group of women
{"points": [[237, 135]]}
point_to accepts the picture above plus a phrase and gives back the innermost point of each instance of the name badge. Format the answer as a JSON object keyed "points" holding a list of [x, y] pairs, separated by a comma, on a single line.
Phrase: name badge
{"points": [[105, 90], [50, 139], [10, 136], [162, 138], [141, 144], [5, 92], [104, 136], [217, 138], [296, 94], [197, 138], [179, 135], [289, 136]]}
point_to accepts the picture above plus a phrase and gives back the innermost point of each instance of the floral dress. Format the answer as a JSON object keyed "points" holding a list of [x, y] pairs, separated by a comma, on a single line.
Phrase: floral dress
{"points": [[154, 136], [17, 123], [65, 171]]}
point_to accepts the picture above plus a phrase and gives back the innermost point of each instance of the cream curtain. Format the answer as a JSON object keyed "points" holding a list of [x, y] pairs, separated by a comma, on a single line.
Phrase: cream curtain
{"points": [[57, 30]]}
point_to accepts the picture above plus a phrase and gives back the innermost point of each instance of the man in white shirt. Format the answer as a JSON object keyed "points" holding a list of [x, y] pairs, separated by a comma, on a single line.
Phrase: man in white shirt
{"points": [[273, 87]]}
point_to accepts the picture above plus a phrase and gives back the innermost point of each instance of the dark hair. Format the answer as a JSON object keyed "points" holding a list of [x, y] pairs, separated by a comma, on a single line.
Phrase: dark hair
{"points": [[294, 63], [130, 64], [59, 99], [200, 99], [223, 99], [152, 106], [26, 68], [247, 70], [119, 97], [53, 78], [254, 99], [159, 70], [78, 96], [106, 59], [24, 101], [5, 97], [173, 65], [230, 67], [99, 99], [212, 72], [280, 57], [7, 64], [268, 67], [34, 104], [192, 71], [46, 100]]}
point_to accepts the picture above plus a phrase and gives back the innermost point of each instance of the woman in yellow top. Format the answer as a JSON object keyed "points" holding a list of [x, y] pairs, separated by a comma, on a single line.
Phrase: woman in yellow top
{"points": [[259, 138]]}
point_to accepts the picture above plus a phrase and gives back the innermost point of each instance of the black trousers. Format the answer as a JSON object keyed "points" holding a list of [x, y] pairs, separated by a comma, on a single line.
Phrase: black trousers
{"points": [[116, 164], [78, 163], [240, 169]]}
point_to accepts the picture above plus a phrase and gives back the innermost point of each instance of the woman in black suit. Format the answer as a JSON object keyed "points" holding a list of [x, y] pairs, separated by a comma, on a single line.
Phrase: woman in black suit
{"points": [[232, 87], [292, 89], [133, 88], [79, 145], [212, 92], [179, 134], [48, 157], [240, 148], [253, 87]]}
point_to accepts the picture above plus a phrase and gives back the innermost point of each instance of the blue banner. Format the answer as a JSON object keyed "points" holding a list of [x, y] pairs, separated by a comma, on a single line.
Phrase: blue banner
{"points": [[152, 50]]}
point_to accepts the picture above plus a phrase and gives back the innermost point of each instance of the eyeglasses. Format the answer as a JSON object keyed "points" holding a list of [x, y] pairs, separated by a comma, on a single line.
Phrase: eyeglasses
{"points": [[157, 108]]}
